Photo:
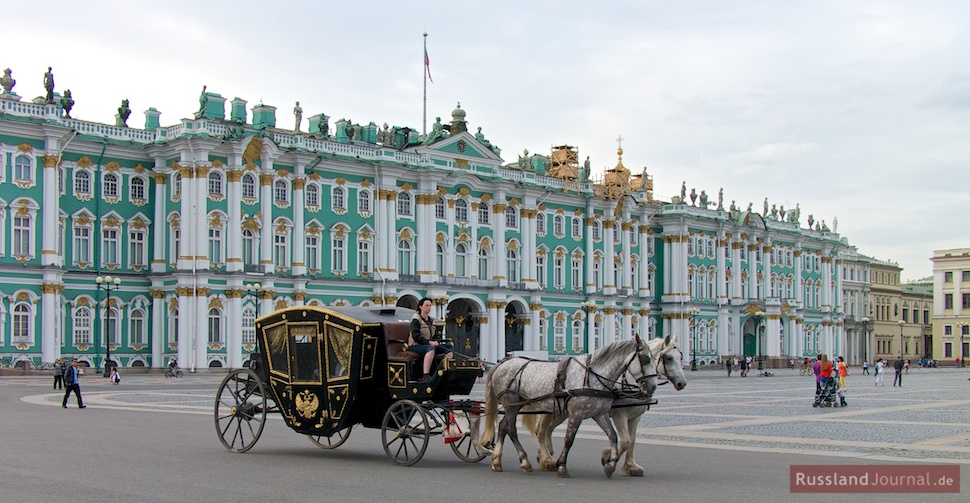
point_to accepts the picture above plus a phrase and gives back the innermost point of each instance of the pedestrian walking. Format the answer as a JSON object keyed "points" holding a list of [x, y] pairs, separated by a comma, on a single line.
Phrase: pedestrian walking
{"points": [[907, 366], [898, 365], [73, 383], [865, 367], [729, 364], [58, 374], [880, 371], [818, 374]]}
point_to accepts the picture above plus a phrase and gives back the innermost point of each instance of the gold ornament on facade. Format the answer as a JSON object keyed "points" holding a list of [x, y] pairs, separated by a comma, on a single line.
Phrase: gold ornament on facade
{"points": [[112, 166], [499, 208], [626, 311], [160, 178], [266, 179], [609, 310], [281, 304], [282, 173], [461, 163], [25, 148], [406, 234], [234, 293], [365, 183], [299, 183], [215, 303], [84, 162], [253, 150], [484, 197], [407, 186], [50, 161], [482, 320]]}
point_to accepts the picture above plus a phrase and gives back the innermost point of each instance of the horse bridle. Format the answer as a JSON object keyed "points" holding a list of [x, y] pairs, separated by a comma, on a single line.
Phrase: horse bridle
{"points": [[666, 377], [642, 380]]}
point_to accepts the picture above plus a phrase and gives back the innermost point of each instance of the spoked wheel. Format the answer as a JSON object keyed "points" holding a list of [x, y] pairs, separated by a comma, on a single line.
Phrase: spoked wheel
{"points": [[405, 432], [240, 410], [464, 447], [333, 441]]}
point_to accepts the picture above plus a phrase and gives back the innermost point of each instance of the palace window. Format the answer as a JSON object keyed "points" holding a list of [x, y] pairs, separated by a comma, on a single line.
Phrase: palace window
{"points": [[82, 326], [541, 270], [483, 263], [576, 273], [312, 252], [136, 334], [215, 245], [110, 186], [559, 336], [215, 184], [363, 201], [281, 192], [558, 272], [596, 231], [137, 188], [311, 195], [21, 323], [439, 208], [249, 325], [577, 336], [461, 210], [439, 256], [137, 252], [338, 254], [461, 261], [112, 325], [512, 265], [404, 204], [82, 244], [22, 169], [339, 201], [541, 224], [511, 218], [176, 185], [576, 226], [363, 256], [405, 257], [249, 186], [484, 217], [281, 250], [249, 249], [215, 325], [82, 182]]}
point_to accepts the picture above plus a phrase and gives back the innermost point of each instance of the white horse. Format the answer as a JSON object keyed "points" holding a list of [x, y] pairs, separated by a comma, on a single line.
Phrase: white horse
{"points": [[577, 388], [669, 359]]}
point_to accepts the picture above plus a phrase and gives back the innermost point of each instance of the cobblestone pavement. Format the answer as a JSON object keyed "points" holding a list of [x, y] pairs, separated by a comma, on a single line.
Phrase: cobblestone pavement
{"points": [[928, 419]]}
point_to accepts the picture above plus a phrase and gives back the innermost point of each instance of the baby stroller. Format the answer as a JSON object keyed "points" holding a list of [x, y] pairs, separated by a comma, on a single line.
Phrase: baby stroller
{"points": [[827, 395]]}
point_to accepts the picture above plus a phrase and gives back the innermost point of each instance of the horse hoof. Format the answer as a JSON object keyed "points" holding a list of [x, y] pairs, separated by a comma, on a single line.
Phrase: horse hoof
{"points": [[496, 468], [608, 469], [527, 468], [634, 472], [605, 458], [562, 473]]}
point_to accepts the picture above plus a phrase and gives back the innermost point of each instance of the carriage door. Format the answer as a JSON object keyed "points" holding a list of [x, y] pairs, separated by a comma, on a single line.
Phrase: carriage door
{"points": [[514, 330], [462, 328]]}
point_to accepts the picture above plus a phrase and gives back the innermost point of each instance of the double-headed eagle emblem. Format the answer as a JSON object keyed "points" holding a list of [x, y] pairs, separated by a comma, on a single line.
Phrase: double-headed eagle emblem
{"points": [[307, 404]]}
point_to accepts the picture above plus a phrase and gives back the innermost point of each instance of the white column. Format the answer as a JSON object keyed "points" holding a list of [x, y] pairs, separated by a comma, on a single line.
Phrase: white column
{"points": [[234, 261], [590, 271], [159, 334], [234, 327], [498, 229], [609, 322], [50, 210], [186, 252], [266, 179], [424, 242], [160, 225], [201, 222], [644, 290], [51, 336], [721, 287], [299, 242], [185, 324], [201, 332], [668, 268], [499, 317], [609, 255], [532, 342], [627, 274], [752, 293], [799, 284]]}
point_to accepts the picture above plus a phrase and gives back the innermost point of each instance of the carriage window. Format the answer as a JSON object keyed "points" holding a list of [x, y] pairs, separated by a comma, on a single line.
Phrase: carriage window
{"points": [[339, 349], [305, 365]]}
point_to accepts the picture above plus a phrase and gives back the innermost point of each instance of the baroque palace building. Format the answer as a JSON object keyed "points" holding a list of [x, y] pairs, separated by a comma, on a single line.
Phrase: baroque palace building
{"points": [[530, 255]]}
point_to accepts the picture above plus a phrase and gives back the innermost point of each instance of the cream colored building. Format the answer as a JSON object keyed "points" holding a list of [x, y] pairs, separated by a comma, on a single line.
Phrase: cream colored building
{"points": [[889, 331], [951, 306]]}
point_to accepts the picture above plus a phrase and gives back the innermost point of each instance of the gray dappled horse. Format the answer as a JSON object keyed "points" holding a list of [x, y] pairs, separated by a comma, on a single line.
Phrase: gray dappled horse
{"points": [[577, 388], [669, 360]]}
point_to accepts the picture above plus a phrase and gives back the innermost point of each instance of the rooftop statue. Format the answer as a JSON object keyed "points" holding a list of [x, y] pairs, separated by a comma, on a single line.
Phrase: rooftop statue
{"points": [[67, 103], [811, 220], [720, 200], [704, 199], [203, 100], [774, 212], [693, 196], [750, 206], [781, 212], [524, 163], [324, 125], [835, 224], [437, 132], [49, 85], [766, 208], [796, 214], [298, 114], [586, 170], [385, 136], [683, 192], [481, 138], [7, 81], [123, 113]]}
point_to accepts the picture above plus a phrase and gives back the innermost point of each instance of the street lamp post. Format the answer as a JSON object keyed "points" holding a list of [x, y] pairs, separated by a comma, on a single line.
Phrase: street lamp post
{"points": [[865, 332], [693, 312], [255, 289], [961, 327], [760, 315], [901, 323], [107, 283]]}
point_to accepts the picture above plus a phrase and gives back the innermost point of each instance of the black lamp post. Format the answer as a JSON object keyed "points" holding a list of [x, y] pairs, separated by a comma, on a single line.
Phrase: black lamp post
{"points": [[692, 312], [256, 290], [760, 315], [901, 323], [107, 283], [961, 327]]}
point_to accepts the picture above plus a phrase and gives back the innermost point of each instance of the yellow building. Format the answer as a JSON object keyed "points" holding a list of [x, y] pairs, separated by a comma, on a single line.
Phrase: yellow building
{"points": [[889, 331], [951, 306]]}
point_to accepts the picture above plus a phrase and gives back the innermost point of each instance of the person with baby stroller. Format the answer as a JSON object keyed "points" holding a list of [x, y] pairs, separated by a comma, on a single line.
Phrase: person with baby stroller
{"points": [[826, 393]]}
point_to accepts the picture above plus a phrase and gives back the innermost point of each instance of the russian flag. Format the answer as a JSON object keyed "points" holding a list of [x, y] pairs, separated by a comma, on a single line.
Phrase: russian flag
{"points": [[427, 65]]}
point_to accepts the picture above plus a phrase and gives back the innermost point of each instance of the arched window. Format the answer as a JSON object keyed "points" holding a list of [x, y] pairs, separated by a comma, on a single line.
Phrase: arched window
{"points": [[559, 336], [281, 249], [137, 333], [461, 261], [512, 265], [439, 259], [137, 188], [110, 186], [215, 184], [21, 323], [405, 257], [511, 218], [82, 326], [484, 216], [541, 329], [312, 195], [439, 208], [215, 325], [461, 210], [596, 230], [558, 225], [404, 204], [249, 186], [249, 249], [281, 192], [701, 247], [339, 201], [176, 185], [363, 201], [112, 323], [540, 223], [22, 168], [541, 270], [248, 325], [577, 226], [82, 182], [577, 336], [483, 263], [690, 246]]}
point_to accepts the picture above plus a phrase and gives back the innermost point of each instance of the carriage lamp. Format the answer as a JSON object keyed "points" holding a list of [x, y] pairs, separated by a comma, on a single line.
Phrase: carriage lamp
{"points": [[693, 312], [901, 323], [107, 283], [759, 316]]}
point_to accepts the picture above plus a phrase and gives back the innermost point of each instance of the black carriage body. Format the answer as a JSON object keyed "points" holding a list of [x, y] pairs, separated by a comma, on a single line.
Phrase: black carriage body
{"points": [[335, 367]]}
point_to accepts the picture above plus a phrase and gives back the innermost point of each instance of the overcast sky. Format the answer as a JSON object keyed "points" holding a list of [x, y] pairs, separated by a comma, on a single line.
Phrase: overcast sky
{"points": [[856, 110]]}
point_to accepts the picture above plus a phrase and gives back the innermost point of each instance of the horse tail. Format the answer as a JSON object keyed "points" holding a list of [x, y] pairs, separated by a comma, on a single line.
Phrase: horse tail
{"points": [[531, 422], [491, 409]]}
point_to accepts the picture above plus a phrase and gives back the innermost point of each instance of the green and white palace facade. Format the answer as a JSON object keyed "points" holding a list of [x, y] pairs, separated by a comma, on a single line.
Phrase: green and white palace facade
{"points": [[527, 256]]}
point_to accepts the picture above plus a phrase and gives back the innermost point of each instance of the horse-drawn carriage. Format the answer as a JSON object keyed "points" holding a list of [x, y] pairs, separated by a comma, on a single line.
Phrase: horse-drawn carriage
{"points": [[326, 370]]}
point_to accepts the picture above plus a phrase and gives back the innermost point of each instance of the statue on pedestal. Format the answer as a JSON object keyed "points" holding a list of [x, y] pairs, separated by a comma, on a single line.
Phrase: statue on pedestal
{"points": [[123, 113], [586, 170], [49, 85], [67, 103], [324, 125], [683, 192], [704, 199], [811, 220], [774, 212], [203, 101], [720, 200], [524, 163], [693, 196], [765, 213], [437, 132], [298, 114], [7, 82]]}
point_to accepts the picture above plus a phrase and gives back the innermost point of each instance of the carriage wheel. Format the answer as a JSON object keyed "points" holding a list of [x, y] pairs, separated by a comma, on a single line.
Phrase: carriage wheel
{"points": [[405, 432], [465, 447], [333, 441], [240, 410]]}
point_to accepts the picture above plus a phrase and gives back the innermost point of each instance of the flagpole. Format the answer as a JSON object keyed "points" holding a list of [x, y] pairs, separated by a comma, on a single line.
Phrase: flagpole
{"points": [[424, 69]]}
